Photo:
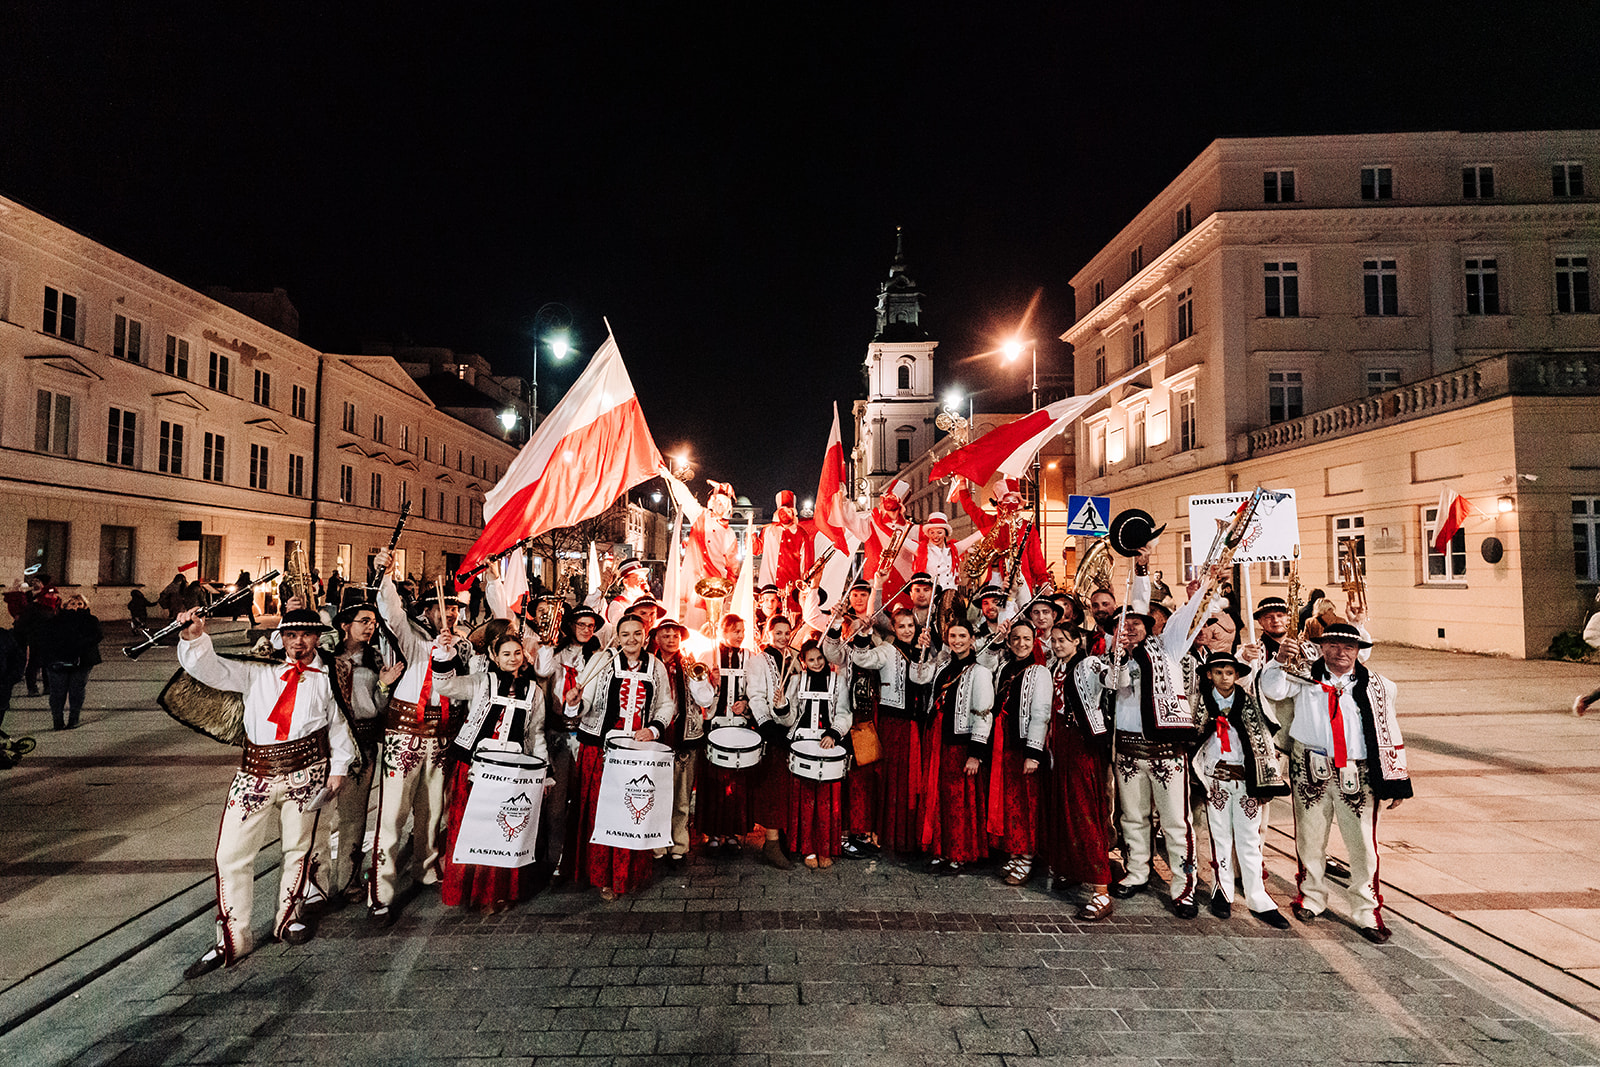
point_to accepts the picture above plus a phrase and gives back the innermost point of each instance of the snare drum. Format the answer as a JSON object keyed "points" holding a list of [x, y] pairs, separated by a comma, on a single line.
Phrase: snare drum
{"points": [[733, 747], [808, 759], [505, 761], [623, 739]]}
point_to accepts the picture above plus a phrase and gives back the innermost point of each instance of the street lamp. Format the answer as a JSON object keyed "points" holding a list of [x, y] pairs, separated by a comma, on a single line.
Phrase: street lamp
{"points": [[951, 421], [551, 324], [1013, 350]]}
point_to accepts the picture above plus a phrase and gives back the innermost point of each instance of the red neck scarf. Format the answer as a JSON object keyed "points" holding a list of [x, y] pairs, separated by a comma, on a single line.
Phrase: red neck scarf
{"points": [[282, 713]]}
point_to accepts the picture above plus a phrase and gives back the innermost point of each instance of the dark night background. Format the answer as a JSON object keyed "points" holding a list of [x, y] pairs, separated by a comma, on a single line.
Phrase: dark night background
{"points": [[723, 183]]}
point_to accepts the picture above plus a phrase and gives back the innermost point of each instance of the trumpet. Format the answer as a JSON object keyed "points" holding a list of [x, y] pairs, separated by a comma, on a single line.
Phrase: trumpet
{"points": [[815, 570], [1352, 578], [697, 670]]}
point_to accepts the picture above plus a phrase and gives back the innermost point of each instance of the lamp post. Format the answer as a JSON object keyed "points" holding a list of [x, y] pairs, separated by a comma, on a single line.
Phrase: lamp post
{"points": [[1012, 349], [551, 324]]}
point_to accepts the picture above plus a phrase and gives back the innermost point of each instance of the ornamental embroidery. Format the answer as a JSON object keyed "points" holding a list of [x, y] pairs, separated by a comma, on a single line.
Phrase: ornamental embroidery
{"points": [[1307, 788], [305, 785], [248, 793], [1164, 770], [1217, 797], [1127, 767], [1250, 806]]}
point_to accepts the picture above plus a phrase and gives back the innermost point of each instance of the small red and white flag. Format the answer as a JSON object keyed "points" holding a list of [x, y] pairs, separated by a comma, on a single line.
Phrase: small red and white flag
{"points": [[831, 503], [1453, 511], [592, 448]]}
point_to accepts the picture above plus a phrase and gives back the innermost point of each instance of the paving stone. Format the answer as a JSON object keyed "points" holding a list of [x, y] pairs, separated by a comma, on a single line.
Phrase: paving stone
{"points": [[983, 1040]]}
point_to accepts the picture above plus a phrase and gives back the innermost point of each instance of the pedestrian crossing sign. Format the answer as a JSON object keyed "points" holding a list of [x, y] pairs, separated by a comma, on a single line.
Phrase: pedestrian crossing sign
{"points": [[1090, 516]]}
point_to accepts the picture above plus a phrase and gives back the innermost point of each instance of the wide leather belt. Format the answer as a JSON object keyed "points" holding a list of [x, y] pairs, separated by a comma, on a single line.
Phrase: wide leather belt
{"points": [[267, 761], [1137, 746], [402, 719], [1228, 772], [369, 731]]}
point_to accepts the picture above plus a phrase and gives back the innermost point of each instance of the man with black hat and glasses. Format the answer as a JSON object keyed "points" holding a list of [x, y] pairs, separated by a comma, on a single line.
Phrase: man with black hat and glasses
{"points": [[298, 750]]}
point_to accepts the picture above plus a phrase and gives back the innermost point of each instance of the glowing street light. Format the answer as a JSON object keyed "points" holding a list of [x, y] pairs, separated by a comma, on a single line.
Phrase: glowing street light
{"points": [[508, 419]]}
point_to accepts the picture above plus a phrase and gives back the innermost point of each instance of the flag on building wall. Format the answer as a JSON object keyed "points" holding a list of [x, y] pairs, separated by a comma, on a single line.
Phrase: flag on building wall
{"points": [[1453, 510]]}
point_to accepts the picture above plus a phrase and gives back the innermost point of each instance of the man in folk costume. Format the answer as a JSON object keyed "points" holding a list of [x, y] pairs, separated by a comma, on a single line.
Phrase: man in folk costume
{"points": [[411, 782], [863, 785], [917, 598], [297, 744], [731, 801], [1033, 573], [1023, 694], [1238, 765], [629, 694], [713, 548], [991, 600], [787, 551], [1346, 758], [954, 827], [558, 668], [694, 696]]}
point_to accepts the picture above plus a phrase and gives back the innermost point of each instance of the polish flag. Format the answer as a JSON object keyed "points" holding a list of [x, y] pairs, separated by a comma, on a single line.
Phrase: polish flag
{"points": [[189, 566], [1453, 511], [829, 513], [1009, 449], [594, 447]]}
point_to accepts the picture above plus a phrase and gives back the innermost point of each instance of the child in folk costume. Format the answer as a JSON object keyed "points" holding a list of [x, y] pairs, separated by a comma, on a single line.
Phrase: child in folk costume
{"points": [[900, 710], [1022, 697], [558, 669], [818, 709], [732, 800], [863, 784], [1075, 809], [297, 743], [628, 694], [953, 806], [1238, 764], [506, 713], [686, 737]]}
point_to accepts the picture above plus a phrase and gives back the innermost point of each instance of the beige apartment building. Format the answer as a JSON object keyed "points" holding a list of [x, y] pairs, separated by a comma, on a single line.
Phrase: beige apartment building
{"points": [[1367, 319], [146, 426]]}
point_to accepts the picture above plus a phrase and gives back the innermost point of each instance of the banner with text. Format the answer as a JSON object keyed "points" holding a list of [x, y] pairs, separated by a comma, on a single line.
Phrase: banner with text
{"points": [[1273, 534], [634, 809]]}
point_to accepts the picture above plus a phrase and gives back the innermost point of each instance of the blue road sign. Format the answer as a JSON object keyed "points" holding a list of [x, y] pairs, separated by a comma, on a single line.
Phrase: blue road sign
{"points": [[1089, 516]]}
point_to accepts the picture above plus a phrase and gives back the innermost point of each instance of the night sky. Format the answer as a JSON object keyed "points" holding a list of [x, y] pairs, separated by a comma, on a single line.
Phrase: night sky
{"points": [[723, 183]]}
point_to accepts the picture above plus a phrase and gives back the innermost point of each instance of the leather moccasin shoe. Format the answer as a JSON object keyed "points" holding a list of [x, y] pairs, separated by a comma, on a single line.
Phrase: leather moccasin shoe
{"points": [[1275, 919], [1123, 892], [1378, 935]]}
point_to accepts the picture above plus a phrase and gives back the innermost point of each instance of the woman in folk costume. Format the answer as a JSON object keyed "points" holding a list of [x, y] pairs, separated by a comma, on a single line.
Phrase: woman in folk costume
{"points": [[1022, 696], [817, 708], [933, 553], [558, 670], [900, 711], [506, 713], [629, 694], [953, 815], [1074, 805], [712, 550], [787, 551]]}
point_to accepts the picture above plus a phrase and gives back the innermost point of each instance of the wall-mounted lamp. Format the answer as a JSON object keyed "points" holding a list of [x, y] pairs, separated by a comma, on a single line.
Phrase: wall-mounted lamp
{"points": [[1507, 504]]}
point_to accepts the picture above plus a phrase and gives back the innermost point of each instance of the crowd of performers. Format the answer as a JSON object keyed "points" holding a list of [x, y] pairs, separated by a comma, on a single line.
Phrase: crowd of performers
{"points": [[1050, 735]]}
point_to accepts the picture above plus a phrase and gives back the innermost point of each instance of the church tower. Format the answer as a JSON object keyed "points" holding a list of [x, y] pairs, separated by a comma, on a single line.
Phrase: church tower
{"points": [[894, 424]]}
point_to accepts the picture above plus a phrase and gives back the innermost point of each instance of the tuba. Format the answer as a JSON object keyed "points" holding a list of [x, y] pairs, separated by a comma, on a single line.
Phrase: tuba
{"points": [[1093, 574]]}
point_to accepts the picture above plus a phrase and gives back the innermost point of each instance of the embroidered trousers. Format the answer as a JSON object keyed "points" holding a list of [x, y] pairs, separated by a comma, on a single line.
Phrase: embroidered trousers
{"points": [[1161, 785], [410, 783], [1234, 819], [1318, 804], [258, 808]]}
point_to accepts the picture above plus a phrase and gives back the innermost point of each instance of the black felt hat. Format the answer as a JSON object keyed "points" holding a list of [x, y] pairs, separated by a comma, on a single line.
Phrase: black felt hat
{"points": [[1133, 529]]}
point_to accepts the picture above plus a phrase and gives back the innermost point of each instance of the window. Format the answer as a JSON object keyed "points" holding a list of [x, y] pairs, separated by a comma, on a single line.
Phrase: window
{"points": [[459, 459], [1586, 538], [375, 493], [444, 452], [213, 457], [1477, 182], [1449, 565], [405, 493], [170, 460], [1138, 342], [219, 372], [427, 448], [347, 484], [903, 378], [405, 439], [1572, 284], [458, 511], [1380, 286], [127, 339], [1097, 449], [297, 475], [1099, 293], [1382, 379], [1182, 222], [177, 356], [1186, 420], [1190, 572], [349, 422], [1186, 314], [1282, 280], [441, 506], [121, 435], [377, 428], [1277, 570], [1377, 183], [1566, 179], [1136, 261], [1136, 430], [902, 450], [1350, 528], [47, 548], [60, 314], [1100, 366], [1285, 395], [1483, 287], [116, 555], [263, 391], [422, 503], [1277, 187], [52, 428], [297, 401], [258, 466]]}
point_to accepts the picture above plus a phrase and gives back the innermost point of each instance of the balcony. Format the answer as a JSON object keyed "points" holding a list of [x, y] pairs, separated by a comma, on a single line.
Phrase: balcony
{"points": [[1511, 374]]}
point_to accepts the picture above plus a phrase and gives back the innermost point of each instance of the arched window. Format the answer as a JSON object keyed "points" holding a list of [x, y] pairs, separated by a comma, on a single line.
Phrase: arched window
{"points": [[904, 382]]}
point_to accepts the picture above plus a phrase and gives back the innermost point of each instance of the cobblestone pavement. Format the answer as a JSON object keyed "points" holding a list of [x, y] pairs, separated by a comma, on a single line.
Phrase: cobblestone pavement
{"points": [[871, 962]]}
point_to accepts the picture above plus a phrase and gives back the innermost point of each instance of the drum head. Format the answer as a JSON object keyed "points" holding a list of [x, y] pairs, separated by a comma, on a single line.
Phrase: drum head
{"points": [[734, 738], [513, 760], [627, 741], [814, 750]]}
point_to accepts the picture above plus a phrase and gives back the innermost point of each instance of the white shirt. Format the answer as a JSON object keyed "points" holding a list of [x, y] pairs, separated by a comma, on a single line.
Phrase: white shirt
{"points": [[1130, 717], [1312, 726], [1213, 753]]}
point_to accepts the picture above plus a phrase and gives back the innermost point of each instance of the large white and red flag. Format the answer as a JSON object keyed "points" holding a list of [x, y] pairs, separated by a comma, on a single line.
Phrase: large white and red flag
{"points": [[830, 509], [591, 449], [1453, 511]]}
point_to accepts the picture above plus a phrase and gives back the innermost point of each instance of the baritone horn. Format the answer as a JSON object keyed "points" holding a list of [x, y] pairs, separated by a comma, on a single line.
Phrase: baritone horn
{"points": [[1352, 578], [548, 612], [1094, 573]]}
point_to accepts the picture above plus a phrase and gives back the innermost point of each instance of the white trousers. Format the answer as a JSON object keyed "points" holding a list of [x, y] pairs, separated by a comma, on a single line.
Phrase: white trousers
{"points": [[1317, 806], [1234, 819], [683, 765], [410, 783], [258, 807], [344, 863], [1161, 785]]}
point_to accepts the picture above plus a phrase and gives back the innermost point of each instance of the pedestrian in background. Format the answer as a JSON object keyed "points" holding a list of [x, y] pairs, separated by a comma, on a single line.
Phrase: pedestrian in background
{"points": [[69, 644], [11, 662]]}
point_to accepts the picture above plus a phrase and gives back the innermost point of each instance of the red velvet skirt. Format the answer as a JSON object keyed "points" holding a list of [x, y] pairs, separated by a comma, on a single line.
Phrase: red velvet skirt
{"points": [[863, 790], [953, 824], [722, 800], [623, 870], [769, 790], [469, 883], [813, 824], [1075, 837], [900, 814], [1019, 793]]}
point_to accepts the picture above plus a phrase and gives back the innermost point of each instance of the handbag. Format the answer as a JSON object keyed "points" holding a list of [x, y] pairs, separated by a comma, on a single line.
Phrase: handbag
{"points": [[864, 743]]}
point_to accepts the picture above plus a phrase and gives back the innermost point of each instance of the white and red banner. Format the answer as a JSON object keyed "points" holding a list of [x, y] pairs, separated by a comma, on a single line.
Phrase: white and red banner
{"points": [[594, 447], [832, 490], [634, 808]]}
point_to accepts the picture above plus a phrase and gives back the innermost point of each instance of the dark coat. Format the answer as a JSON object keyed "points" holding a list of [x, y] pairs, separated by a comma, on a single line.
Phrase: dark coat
{"points": [[70, 637]]}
